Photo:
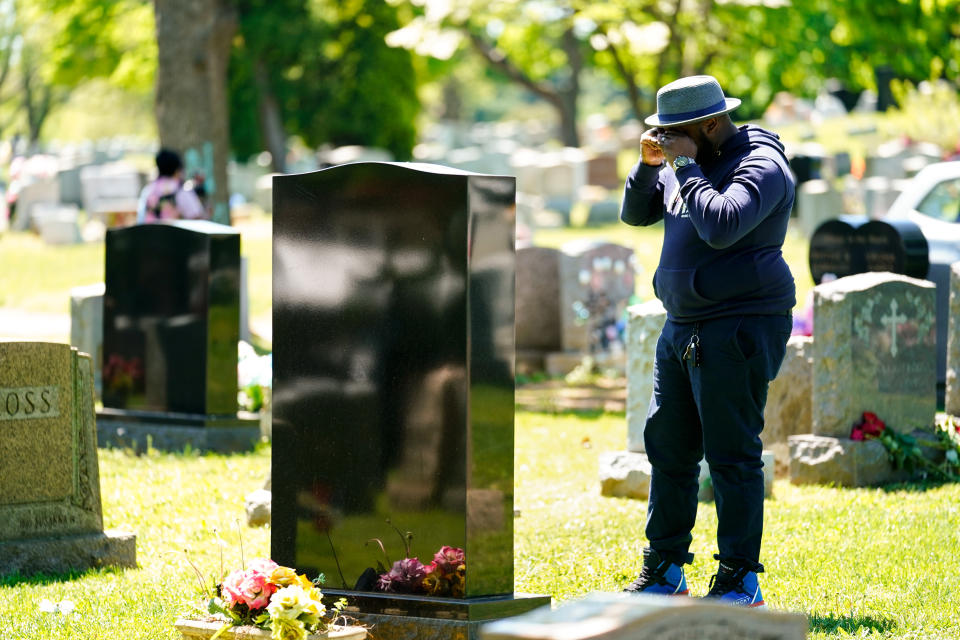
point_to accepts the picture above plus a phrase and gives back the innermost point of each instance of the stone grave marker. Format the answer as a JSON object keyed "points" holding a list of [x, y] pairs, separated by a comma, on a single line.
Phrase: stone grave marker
{"points": [[643, 330], [86, 326], [596, 282], [874, 349], [538, 299], [171, 314], [817, 201], [624, 616], [40, 192], [50, 511], [789, 401], [393, 389], [848, 245], [952, 403]]}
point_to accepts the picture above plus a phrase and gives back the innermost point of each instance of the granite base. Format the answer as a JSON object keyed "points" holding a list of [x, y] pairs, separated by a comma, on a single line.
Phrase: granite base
{"points": [[400, 617], [61, 554], [175, 431]]}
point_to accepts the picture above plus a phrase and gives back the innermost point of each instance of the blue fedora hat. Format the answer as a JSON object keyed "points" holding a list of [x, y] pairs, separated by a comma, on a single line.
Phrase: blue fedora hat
{"points": [[690, 99]]}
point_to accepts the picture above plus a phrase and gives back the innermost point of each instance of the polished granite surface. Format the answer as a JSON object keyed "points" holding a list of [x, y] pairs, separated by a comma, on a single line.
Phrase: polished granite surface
{"points": [[171, 318], [393, 373]]}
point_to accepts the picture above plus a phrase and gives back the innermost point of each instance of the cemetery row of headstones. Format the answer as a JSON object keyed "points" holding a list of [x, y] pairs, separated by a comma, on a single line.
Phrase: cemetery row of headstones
{"points": [[393, 392]]}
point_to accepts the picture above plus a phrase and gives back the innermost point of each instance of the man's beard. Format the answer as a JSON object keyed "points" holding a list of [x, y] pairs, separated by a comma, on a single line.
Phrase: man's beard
{"points": [[706, 150]]}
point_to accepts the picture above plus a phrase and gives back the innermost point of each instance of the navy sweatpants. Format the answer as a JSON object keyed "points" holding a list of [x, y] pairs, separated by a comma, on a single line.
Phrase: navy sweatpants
{"points": [[713, 410]]}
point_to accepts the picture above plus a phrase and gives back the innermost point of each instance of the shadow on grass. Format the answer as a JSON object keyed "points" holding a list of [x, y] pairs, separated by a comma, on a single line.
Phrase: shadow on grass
{"points": [[17, 579], [585, 414], [852, 625], [916, 485]]}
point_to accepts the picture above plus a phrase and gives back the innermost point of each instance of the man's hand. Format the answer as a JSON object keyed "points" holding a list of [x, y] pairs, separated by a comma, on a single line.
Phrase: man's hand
{"points": [[675, 143], [650, 152]]}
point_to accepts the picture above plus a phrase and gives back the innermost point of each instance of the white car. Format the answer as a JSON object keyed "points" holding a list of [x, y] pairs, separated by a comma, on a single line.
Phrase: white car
{"points": [[931, 200]]}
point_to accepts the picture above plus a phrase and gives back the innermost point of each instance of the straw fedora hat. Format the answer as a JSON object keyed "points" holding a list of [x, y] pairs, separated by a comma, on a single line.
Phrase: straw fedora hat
{"points": [[690, 99]]}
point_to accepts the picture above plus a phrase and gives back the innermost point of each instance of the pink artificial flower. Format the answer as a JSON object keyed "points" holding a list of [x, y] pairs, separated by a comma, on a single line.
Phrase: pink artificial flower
{"points": [[857, 434], [230, 588], [249, 587], [256, 590], [263, 566], [448, 559]]}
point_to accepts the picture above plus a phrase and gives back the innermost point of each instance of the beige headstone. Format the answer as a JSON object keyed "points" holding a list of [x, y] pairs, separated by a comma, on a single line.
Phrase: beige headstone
{"points": [[874, 349], [47, 434], [50, 513], [953, 344], [789, 401], [644, 324]]}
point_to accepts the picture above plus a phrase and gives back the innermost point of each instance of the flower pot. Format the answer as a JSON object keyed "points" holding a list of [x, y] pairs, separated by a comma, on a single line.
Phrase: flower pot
{"points": [[202, 630]]}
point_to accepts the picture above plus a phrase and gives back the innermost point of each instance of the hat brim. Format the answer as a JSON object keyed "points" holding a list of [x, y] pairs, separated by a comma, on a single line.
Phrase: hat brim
{"points": [[655, 121]]}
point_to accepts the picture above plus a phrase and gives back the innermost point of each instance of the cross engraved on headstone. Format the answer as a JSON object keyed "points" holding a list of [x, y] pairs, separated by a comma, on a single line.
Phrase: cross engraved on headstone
{"points": [[893, 321]]}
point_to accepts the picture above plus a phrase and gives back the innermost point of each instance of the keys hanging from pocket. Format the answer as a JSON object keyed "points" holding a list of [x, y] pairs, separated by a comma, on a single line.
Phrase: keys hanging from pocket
{"points": [[692, 352]]}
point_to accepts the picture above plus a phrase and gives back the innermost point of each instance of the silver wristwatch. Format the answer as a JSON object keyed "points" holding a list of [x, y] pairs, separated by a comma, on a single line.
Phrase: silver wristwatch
{"points": [[682, 161]]}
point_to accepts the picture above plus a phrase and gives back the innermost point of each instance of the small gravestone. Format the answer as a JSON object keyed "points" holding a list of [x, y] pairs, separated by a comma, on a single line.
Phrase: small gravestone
{"points": [[171, 318], [952, 403], [86, 326], [596, 282], [789, 404], [621, 616], [50, 513], [538, 299], [817, 201], [602, 170], [874, 350], [393, 392], [643, 330]]}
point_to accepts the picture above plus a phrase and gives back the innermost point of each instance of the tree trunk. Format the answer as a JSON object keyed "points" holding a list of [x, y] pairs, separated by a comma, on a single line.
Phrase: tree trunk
{"points": [[271, 122], [193, 41], [570, 92]]}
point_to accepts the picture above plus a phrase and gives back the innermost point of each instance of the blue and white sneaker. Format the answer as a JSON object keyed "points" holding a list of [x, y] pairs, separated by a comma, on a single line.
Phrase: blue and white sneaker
{"points": [[659, 576], [736, 585]]}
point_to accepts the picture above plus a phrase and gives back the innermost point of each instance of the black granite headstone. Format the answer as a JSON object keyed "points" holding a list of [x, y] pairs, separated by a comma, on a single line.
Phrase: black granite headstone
{"points": [[171, 314], [393, 397], [854, 244]]}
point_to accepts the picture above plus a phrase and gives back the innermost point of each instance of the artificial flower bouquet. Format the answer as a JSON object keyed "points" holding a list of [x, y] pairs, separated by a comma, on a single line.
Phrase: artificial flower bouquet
{"points": [[268, 596], [444, 576]]}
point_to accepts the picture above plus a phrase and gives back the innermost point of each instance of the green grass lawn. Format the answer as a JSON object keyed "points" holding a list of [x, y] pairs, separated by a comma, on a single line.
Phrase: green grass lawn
{"points": [[864, 563]]}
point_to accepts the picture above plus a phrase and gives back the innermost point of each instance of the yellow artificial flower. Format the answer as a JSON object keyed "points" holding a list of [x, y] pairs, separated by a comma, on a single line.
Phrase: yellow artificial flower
{"points": [[431, 583], [287, 630], [284, 577], [287, 603], [304, 582]]}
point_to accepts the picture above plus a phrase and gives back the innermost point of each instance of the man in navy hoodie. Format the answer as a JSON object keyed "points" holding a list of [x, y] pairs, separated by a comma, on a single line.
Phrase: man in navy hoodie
{"points": [[724, 194]]}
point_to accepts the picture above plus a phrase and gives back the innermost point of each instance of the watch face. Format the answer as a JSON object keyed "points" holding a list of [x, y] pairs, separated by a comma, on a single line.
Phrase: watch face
{"points": [[682, 161]]}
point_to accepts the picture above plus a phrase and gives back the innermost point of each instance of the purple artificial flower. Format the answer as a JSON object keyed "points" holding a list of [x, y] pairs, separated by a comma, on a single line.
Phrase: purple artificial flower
{"points": [[404, 577]]}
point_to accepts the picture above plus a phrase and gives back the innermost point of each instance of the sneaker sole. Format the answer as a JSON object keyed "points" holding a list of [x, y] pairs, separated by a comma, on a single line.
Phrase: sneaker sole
{"points": [[758, 605]]}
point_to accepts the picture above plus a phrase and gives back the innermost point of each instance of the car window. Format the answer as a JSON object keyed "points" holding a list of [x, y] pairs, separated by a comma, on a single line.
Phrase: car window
{"points": [[943, 201]]}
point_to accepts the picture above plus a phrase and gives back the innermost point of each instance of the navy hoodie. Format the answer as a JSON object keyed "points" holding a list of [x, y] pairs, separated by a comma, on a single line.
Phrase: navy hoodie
{"points": [[724, 222]]}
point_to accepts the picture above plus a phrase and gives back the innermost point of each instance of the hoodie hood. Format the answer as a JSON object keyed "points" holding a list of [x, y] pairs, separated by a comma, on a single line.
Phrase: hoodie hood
{"points": [[750, 136]]}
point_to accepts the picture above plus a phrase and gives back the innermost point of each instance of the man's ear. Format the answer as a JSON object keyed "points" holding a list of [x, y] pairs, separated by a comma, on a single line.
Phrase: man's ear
{"points": [[710, 125]]}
